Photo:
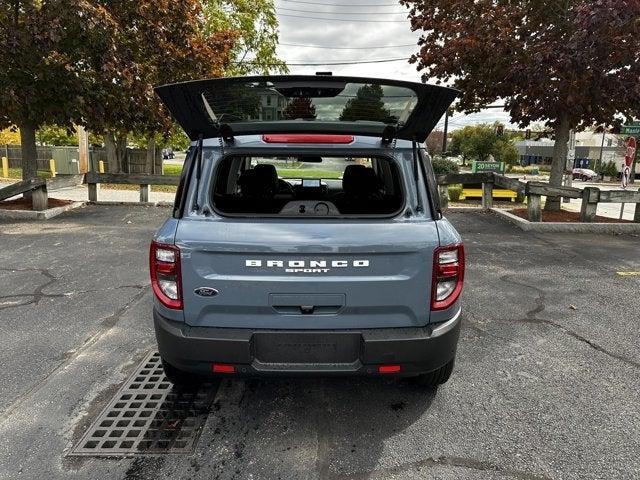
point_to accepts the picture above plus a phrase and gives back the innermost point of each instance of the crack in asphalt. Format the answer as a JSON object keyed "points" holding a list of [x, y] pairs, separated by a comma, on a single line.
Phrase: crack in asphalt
{"points": [[448, 461], [38, 294], [531, 317], [107, 323]]}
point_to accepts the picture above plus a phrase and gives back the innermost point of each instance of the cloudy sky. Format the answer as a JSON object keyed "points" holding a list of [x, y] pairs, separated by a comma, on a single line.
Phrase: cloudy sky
{"points": [[356, 30]]}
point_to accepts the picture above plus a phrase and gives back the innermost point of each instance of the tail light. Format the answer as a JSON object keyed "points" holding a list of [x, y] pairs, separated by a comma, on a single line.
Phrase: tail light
{"points": [[166, 281], [448, 276]]}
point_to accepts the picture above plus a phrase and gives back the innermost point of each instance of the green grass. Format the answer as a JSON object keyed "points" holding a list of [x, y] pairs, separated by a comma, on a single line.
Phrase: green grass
{"points": [[170, 169], [16, 173], [309, 173]]}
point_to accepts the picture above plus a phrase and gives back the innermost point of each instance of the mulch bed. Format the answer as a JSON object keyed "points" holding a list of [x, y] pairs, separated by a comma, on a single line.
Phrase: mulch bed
{"points": [[564, 216], [23, 204]]}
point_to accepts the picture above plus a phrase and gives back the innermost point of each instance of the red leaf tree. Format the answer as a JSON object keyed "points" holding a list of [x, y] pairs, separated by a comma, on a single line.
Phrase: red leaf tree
{"points": [[569, 63]]}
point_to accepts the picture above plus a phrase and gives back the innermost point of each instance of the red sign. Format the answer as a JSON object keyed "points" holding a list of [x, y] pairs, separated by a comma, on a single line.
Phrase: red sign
{"points": [[631, 151]]}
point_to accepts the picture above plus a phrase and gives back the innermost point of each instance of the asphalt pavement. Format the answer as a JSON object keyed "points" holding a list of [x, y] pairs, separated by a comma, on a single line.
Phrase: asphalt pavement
{"points": [[545, 386]]}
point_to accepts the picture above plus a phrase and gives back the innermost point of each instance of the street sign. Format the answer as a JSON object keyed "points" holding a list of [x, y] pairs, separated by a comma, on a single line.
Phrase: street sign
{"points": [[477, 167], [632, 128]]}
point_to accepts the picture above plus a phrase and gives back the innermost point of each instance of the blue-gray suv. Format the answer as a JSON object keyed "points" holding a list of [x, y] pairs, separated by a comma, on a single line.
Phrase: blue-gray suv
{"points": [[307, 235]]}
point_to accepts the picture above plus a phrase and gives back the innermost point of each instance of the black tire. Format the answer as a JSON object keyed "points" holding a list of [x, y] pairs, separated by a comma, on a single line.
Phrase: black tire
{"points": [[435, 378], [180, 378]]}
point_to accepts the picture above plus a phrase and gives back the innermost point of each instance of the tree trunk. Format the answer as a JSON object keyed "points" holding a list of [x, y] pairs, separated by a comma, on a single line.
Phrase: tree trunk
{"points": [[151, 155], [559, 161], [28, 151], [116, 149], [112, 155]]}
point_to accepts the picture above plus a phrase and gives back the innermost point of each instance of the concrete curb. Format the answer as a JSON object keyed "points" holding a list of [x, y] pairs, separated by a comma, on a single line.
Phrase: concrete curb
{"points": [[559, 227], [125, 203], [41, 215]]}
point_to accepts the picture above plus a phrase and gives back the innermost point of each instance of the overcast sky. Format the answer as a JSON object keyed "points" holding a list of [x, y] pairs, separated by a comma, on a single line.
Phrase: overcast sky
{"points": [[346, 28]]}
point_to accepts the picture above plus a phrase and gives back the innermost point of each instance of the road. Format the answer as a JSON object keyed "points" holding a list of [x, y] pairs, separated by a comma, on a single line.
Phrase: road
{"points": [[545, 386]]}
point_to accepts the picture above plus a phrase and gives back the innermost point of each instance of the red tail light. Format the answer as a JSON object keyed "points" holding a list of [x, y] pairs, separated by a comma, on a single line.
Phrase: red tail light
{"points": [[307, 138], [166, 281], [222, 368], [448, 276], [389, 369]]}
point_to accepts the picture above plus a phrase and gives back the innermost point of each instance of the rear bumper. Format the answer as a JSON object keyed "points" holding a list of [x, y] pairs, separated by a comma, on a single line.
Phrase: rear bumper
{"points": [[305, 352]]}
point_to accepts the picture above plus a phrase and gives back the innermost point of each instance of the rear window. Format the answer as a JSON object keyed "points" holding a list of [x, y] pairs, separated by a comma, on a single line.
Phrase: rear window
{"points": [[307, 186]]}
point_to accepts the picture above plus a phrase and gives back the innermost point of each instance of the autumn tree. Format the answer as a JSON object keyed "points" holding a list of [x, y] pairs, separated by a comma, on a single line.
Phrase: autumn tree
{"points": [[257, 25], [478, 142], [569, 63], [300, 107], [51, 54], [367, 105], [157, 42]]}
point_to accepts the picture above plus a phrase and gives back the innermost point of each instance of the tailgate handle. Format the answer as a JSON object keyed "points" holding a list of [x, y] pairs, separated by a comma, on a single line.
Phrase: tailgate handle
{"points": [[307, 304]]}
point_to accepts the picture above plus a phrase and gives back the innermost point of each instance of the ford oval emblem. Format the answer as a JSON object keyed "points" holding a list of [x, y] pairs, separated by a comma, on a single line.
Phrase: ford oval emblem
{"points": [[206, 291]]}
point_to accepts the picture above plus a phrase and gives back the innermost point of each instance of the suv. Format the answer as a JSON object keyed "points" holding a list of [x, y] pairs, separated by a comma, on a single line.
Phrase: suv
{"points": [[306, 235]]}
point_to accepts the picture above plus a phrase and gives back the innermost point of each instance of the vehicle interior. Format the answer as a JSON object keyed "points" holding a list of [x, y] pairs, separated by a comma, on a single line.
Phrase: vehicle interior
{"points": [[307, 186]]}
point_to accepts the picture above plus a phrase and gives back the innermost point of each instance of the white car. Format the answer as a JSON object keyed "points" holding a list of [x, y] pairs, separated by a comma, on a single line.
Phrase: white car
{"points": [[584, 174]]}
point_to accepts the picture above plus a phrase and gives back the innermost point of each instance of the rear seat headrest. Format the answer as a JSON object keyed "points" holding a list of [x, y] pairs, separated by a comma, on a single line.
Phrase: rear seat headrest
{"points": [[359, 180], [260, 181]]}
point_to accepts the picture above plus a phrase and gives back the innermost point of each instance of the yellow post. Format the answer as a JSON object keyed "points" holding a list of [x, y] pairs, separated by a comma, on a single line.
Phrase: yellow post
{"points": [[101, 166], [52, 167], [5, 167]]}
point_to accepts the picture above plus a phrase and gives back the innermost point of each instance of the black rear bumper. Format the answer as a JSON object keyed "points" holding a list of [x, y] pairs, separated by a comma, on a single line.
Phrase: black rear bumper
{"points": [[307, 352]]}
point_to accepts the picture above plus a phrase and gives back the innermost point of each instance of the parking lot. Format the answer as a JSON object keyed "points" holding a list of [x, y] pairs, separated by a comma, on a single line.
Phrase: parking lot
{"points": [[546, 383]]}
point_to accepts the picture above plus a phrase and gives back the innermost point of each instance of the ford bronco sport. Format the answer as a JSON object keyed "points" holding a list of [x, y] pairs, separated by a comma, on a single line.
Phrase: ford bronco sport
{"points": [[306, 235]]}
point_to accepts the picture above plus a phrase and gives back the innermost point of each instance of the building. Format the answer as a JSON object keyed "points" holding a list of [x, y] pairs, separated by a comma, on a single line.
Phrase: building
{"points": [[588, 150]]}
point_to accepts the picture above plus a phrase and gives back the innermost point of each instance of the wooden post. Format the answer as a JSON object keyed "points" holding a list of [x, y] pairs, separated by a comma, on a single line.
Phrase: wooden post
{"points": [[487, 195], [83, 149], [93, 188], [39, 198], [444, 196], [590, 197], [5, 167], [52, 167], [101, 166], [534, 210], [145, 190]]}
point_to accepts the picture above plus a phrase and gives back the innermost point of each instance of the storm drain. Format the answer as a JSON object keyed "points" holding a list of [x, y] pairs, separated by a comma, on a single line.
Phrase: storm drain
{"points": [[148, 415]]}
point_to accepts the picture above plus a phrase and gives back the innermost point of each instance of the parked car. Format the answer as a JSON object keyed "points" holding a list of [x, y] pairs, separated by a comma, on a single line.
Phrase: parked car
{"points": [[584, 174], [266, 268]]}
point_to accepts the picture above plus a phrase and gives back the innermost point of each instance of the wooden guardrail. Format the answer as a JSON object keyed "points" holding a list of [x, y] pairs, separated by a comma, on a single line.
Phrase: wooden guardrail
{"points": [[39, 188], [534, 192], [94, 179]]}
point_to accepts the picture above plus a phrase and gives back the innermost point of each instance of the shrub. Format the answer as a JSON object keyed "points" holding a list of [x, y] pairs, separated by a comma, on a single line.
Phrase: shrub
{"points": [[442, 166], [454, 192]]}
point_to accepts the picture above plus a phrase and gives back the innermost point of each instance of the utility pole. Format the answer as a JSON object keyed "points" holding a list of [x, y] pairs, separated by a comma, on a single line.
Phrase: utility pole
{"points": [[446, 128]]}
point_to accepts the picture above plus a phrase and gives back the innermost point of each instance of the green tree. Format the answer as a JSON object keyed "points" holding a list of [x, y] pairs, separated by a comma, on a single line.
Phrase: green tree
{"points": [[55, 135], [568, 63], [51, 55], [367, 105], [301, 107], [257, 26]]}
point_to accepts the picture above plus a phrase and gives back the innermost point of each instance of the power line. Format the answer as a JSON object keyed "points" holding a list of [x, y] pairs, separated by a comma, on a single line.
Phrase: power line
{"points": [[349, 62], [345, 4], [342, 13], [342, 19], [348, 48]]}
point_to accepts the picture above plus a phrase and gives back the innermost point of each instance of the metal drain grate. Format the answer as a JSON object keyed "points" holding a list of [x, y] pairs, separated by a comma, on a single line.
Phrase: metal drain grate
{"points": [[148, 416]]}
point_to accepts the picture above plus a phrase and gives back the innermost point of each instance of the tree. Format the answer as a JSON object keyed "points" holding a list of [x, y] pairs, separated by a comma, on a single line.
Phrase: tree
{"points": [[9, 136], [568, 63], [55, 135], [478, 142], [300, 107], [157, 42], [257, 26], [48, 67], [434, 142], [367, 105]]}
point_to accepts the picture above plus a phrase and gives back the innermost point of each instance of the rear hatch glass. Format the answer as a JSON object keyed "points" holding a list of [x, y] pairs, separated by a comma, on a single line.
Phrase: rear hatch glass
{"points": [[307, 186]]}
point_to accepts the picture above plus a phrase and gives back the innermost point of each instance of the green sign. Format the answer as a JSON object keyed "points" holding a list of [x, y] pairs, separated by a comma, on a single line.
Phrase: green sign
{"points": [[477, 167], [632, 128]]}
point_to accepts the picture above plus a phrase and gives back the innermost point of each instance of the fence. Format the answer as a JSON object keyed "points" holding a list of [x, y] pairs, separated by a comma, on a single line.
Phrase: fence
{"points": [[534, 191], [135, 159]]}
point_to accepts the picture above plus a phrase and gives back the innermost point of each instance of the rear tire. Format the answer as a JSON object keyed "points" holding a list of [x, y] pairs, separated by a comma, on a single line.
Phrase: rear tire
{"points": [[435, 378], [180, 378]]}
